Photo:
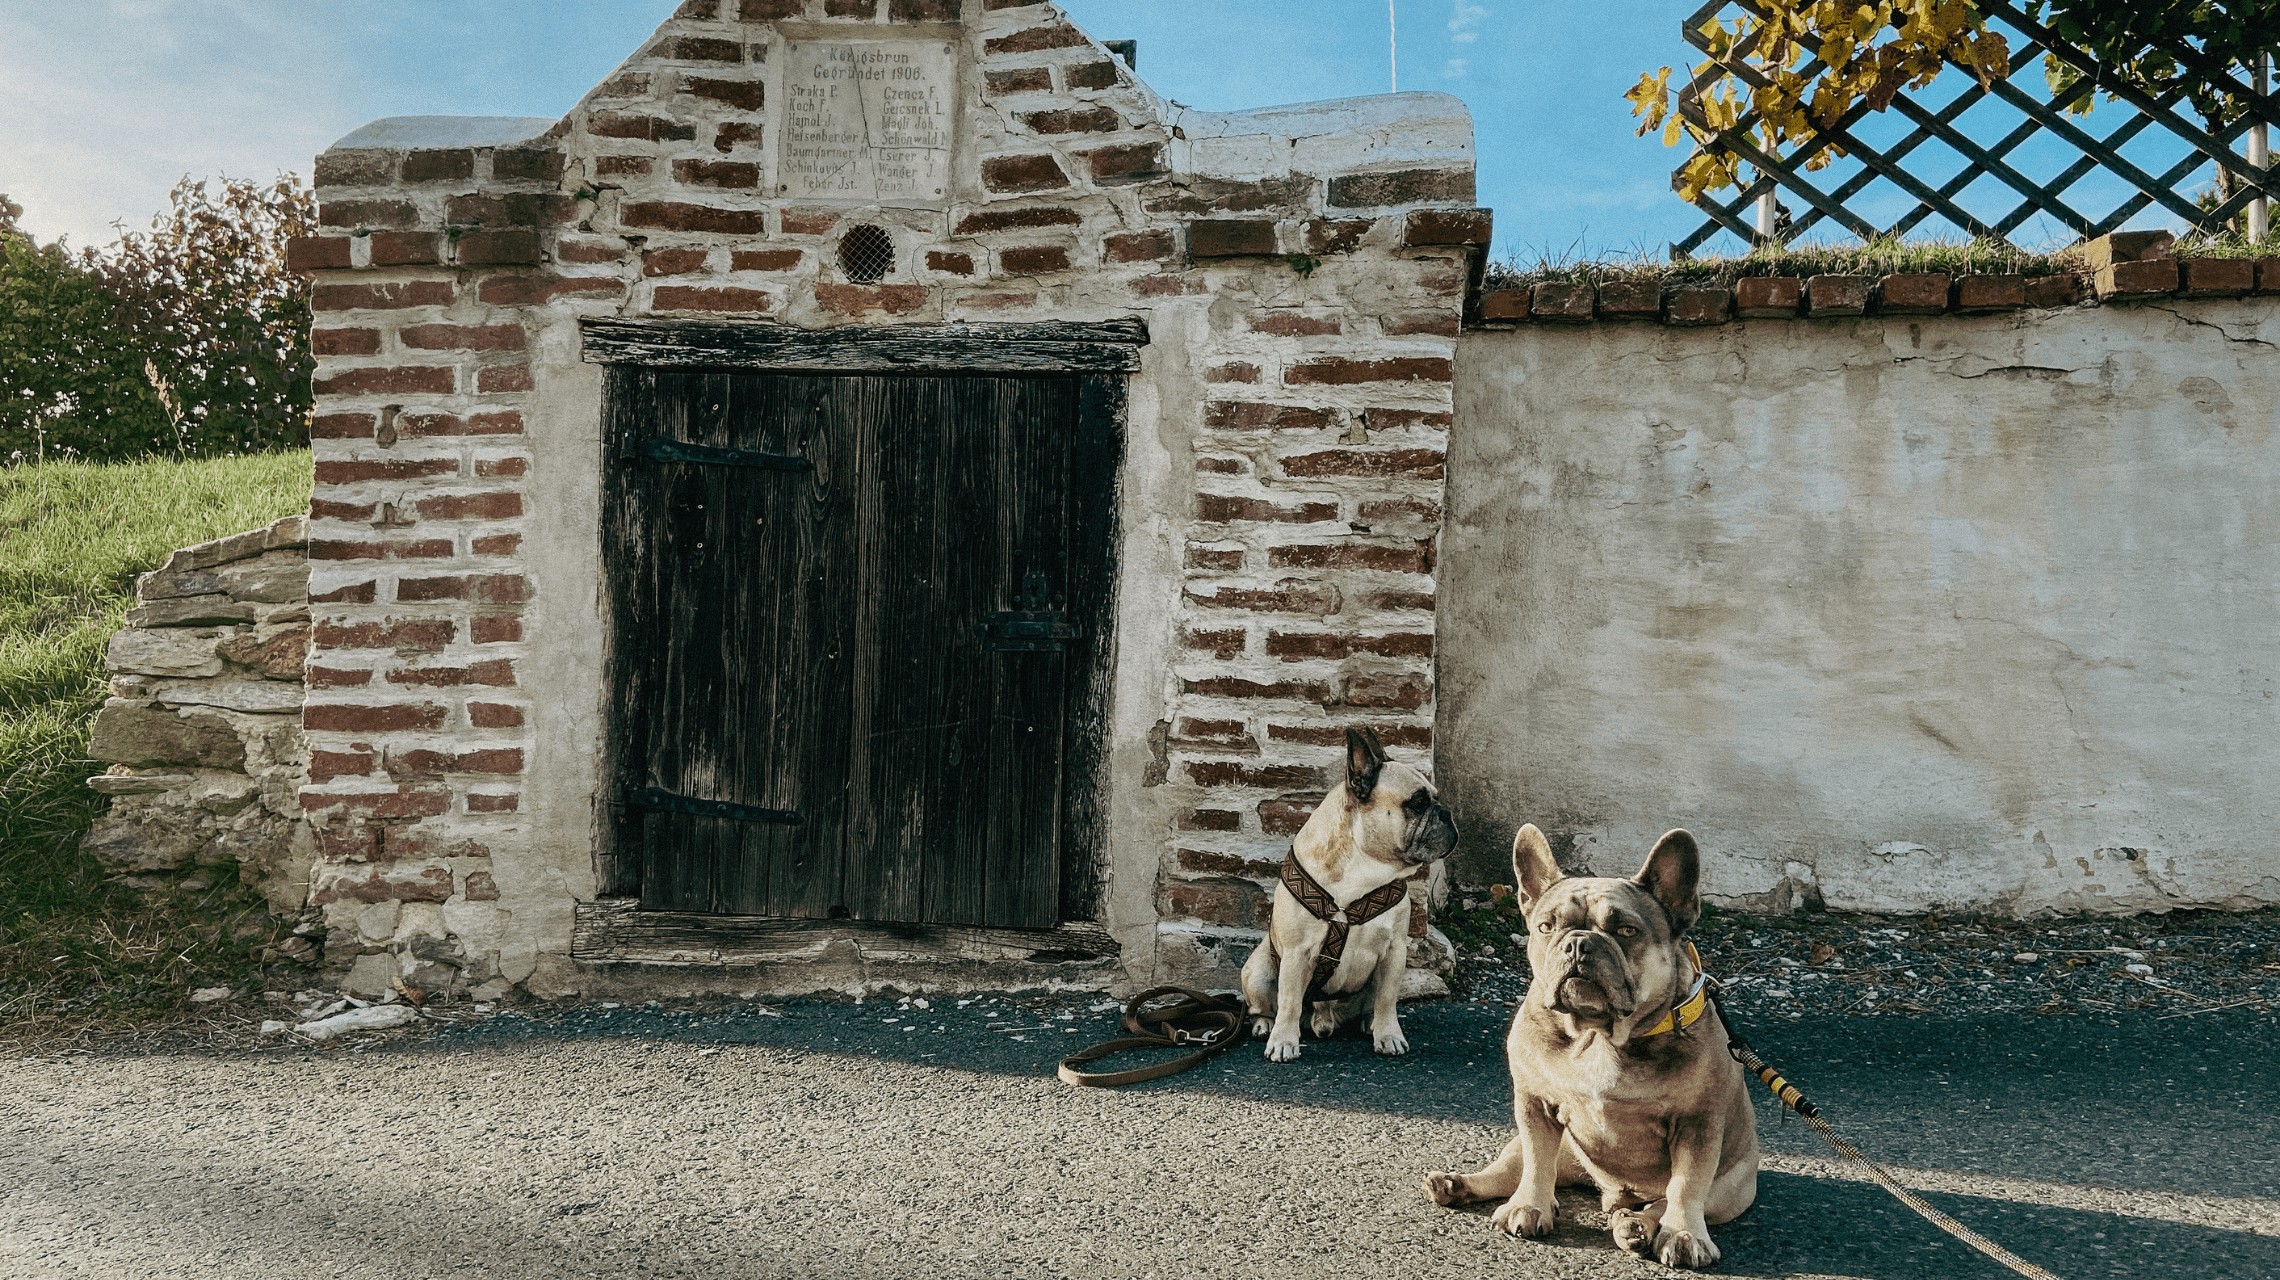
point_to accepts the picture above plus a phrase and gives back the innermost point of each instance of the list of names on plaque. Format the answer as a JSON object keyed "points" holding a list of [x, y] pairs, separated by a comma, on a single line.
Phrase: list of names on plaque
{"points": [[867, 121]]}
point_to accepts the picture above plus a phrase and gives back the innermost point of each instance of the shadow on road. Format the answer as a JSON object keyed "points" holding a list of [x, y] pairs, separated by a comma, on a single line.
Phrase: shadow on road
{"points": [[2126, 1104], [1828, 1226], [2130, 1102]]}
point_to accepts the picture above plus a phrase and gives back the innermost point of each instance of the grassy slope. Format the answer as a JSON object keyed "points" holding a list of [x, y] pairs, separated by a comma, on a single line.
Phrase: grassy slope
{"points": [[73, 537]]}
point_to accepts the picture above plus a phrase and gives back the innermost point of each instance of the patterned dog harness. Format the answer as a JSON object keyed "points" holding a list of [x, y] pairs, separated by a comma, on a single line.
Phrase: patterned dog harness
{"points": [[1342, 920]]}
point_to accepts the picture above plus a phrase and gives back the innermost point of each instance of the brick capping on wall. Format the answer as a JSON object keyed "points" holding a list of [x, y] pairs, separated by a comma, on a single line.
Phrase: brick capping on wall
{"points": [[2122, 280]]}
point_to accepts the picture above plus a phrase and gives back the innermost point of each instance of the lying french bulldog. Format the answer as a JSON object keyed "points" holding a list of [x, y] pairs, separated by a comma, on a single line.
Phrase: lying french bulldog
{"points": [[1620, 1077], [1340, 933]]}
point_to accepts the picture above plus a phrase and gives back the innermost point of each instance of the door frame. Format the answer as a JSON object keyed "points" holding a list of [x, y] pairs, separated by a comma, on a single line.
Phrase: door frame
{"points": [[1101, 355]]}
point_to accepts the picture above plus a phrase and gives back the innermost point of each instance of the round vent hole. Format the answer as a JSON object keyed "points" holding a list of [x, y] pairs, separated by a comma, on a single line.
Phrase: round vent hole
{"points": [[866, 254]]}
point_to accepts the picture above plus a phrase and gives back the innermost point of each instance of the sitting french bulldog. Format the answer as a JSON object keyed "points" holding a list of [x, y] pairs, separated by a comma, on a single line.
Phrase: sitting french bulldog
{"points": [[1340, 933], [1620, 1076]]}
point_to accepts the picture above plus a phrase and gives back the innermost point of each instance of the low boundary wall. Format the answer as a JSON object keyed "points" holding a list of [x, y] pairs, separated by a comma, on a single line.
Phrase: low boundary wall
{"points": [[1896, 613]]}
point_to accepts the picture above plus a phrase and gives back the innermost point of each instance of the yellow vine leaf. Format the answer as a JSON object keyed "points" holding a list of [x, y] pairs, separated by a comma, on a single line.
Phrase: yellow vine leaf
{"points": [[1871, 50]]}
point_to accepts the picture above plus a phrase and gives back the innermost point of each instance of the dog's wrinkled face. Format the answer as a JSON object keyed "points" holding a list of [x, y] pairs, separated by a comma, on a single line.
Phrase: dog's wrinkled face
{"points": [[1393, 812], [1605, 950]]}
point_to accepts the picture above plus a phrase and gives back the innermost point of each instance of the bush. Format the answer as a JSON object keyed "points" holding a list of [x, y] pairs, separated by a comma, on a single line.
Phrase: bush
{"points": [[71, 382], [190, 340]]}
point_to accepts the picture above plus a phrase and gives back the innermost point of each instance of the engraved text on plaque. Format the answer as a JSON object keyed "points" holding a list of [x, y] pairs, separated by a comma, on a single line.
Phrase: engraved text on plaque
{"points": [[867, 122]]}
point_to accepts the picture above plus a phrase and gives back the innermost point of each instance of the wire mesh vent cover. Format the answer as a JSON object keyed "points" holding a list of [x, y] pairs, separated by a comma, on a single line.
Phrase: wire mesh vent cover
{"points": [[866, 254]]}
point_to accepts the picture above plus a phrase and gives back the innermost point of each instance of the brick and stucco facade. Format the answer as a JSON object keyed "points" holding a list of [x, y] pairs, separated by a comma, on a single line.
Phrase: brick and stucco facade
{"points": [[1301, 272], [1301, 276]]}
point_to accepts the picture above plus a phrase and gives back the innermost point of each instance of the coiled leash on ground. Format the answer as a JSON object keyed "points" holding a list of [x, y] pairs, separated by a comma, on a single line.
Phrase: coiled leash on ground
{"points": [[1791, 1098], [1214, 1024]]}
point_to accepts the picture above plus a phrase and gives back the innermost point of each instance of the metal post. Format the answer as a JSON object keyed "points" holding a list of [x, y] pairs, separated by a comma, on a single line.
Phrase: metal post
{"points": [[1768, 209], [1392, 48], [2260, 158]]}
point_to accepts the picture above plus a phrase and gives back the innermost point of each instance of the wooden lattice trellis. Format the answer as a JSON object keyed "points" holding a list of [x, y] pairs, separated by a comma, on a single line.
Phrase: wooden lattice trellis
{"points": [[1835, 195]]}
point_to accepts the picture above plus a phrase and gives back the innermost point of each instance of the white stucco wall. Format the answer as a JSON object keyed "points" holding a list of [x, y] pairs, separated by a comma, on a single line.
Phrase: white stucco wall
{"points": [[1960, 613]]}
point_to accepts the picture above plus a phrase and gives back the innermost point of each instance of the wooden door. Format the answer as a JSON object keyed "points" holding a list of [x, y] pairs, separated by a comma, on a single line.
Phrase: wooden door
{"points": [[841, 643]]}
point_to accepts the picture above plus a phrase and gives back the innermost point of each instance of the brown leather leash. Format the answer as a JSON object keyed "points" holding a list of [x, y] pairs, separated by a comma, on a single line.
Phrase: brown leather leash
{"points": [[1215, 1024], [1793, 1098], [1212, 1024]]}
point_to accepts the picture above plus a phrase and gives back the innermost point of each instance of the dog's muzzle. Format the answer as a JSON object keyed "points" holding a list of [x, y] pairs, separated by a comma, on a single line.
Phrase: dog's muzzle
{"points": [[1589, 977], [1432, 835]]}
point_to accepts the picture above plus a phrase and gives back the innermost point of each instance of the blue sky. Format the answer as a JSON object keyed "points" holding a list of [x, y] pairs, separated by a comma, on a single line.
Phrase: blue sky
{"points": [[104, 103]]}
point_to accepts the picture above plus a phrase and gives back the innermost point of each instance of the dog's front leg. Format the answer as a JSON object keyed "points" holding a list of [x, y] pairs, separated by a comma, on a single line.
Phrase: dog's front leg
{"points": [[1496, 1180], [1290, 1000], [1385, 1004], [1683, 1237], [1534, 1205], [1259, 985]]}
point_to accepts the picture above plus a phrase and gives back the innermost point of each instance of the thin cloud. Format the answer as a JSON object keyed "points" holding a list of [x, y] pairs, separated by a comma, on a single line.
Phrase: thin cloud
{"points": [[108, 103], [111, 102], [1464, 29], [1465, 20]]}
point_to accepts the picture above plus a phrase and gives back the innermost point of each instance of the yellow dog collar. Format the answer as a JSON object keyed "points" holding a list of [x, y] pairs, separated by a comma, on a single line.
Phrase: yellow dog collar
{"points": [[1690, 1010]]}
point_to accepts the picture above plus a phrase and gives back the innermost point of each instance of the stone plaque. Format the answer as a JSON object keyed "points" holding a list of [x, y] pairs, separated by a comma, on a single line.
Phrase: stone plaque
{"points": [[867, 121]]}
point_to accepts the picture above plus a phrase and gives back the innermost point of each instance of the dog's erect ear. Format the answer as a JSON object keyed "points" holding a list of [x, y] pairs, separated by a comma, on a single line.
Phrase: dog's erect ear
{"points": [[1534, 869], [1673, 874], [1365, 755]]}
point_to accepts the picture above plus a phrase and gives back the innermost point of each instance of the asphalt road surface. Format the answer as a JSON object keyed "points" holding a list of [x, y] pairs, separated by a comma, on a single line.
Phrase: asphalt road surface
{"points": [[822, 1139]]}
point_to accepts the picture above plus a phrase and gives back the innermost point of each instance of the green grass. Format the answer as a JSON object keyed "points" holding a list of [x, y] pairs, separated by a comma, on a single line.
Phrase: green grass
{"points": [[2232, 244], [73, 538], [1875, 258]]}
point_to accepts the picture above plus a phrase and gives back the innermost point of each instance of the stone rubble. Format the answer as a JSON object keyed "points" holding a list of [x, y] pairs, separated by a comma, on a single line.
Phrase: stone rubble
{"points": [[378, 1017], [203, 729]]}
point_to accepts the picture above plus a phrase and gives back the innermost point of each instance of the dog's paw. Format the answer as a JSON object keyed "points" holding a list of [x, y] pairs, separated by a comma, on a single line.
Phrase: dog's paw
{"points": [[1261, 1024], [1447, 1189], [1634, 1232], [1685, 1249], [1282, 1048], [1389, 1041], [1515, 1218]]}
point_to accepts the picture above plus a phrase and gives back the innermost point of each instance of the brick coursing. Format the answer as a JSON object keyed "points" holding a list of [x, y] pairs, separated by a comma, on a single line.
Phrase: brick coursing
{"points": [[1307, 597]]}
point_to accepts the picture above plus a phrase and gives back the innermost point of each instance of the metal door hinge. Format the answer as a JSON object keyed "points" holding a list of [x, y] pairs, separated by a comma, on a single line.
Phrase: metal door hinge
{"points": [[659, 800], [1037, 623], [659, 449]]}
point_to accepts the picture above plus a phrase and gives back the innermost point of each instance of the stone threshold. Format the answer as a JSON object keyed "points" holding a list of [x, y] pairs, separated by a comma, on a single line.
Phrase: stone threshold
{"points": [[617, 931]]}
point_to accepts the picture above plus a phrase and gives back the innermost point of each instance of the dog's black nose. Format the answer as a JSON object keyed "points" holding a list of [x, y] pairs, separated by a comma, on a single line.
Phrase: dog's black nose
{"points": [[1578, 943]]}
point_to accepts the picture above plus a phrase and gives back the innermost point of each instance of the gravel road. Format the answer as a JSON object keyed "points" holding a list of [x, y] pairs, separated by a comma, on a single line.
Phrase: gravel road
{"points": [[829, 1139]]}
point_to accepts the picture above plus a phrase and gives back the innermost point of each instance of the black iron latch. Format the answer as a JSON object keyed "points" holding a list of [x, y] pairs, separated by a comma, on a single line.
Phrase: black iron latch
{"points": [[1036, 624], [661, 449], [659, 800]]}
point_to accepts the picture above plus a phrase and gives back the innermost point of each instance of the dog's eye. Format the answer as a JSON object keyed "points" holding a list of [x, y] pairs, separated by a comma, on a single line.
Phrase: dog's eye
{"points": [[1543, 926], [1626, 931], [1418, 802]]}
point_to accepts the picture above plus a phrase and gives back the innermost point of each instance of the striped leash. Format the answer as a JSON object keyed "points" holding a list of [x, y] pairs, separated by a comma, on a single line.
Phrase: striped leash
{"points": [[1796, 1101]]}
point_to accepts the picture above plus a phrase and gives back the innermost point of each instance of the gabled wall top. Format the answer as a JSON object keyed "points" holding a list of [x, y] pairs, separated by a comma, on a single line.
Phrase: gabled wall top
{"points": [[418, 133], [1300, 273]]}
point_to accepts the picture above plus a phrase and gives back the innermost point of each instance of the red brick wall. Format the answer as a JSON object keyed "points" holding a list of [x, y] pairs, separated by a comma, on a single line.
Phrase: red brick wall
{"points": [[1304, 328]]}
